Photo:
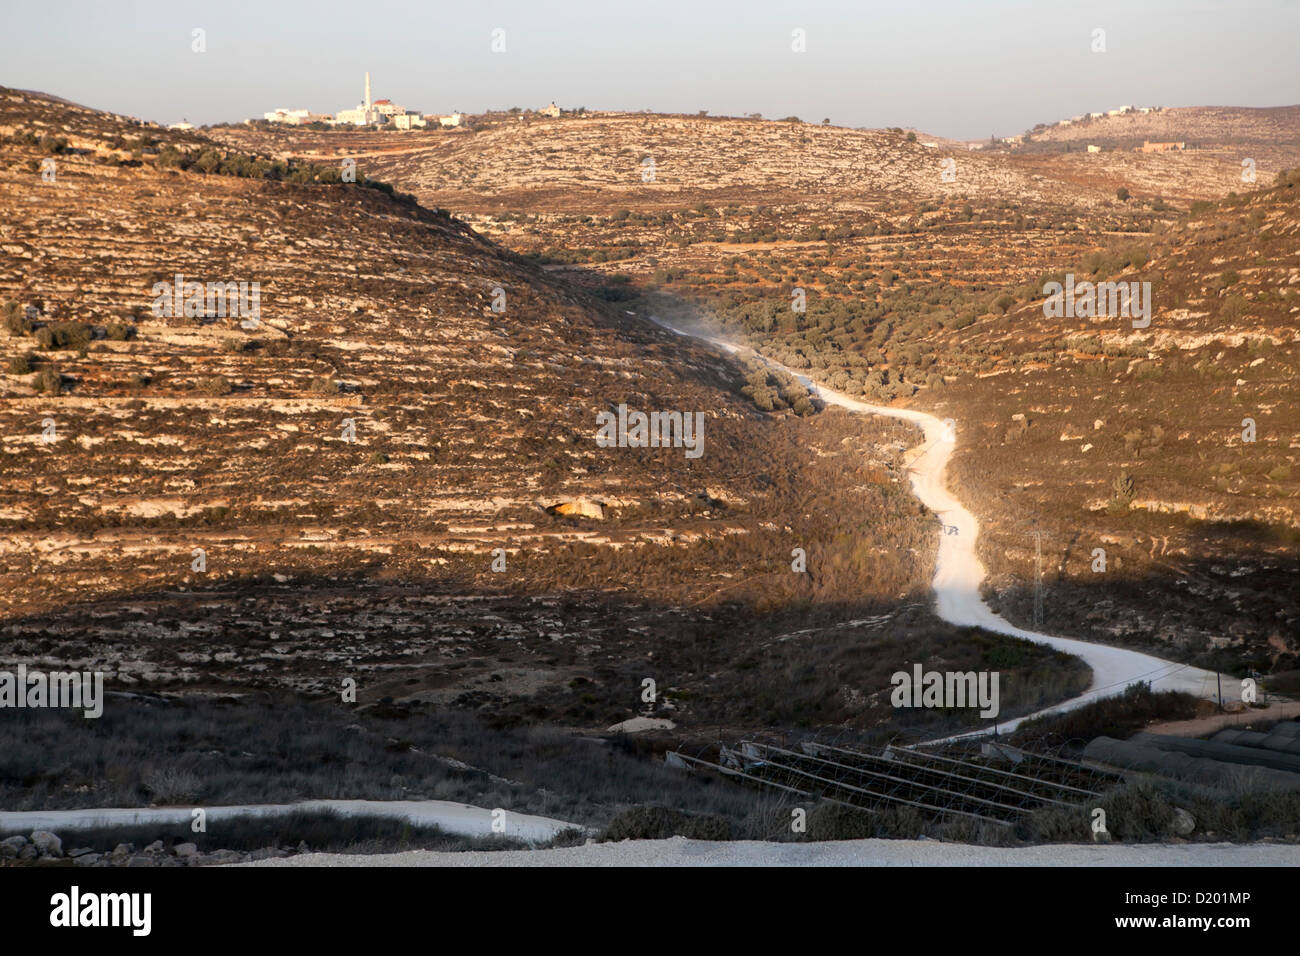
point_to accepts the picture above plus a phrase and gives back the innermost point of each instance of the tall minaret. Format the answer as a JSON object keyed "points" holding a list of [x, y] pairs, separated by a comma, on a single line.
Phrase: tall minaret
{"points": [[367, 91]]}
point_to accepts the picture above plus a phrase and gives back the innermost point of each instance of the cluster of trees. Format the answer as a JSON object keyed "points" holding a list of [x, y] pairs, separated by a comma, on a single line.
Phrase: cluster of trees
{"points": [[627, 217], [17, 318], [569, 257], [65, 335], [133, 145], [46, 142], [819, 233], [854, 320], [218, 162], [772, 390]]}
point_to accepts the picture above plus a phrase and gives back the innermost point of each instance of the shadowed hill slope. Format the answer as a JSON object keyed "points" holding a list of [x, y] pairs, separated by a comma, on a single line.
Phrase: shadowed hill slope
{"points": [[393, 471], [918, 289]]}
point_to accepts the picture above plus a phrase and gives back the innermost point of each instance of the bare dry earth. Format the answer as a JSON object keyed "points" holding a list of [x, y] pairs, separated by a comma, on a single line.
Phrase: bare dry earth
{"points": [[373, 558], [743, 211]]}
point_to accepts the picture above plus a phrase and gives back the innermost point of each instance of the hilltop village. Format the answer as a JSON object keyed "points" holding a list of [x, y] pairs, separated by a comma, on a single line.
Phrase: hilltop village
{"points": [[383, 113]]}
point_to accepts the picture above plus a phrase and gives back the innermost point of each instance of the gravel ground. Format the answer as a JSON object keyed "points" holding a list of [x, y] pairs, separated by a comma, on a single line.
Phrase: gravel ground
{"points": [[679, 851]]}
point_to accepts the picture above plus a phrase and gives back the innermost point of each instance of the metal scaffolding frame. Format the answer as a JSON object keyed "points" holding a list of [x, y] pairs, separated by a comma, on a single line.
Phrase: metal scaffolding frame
{"points": [[960, 783]]}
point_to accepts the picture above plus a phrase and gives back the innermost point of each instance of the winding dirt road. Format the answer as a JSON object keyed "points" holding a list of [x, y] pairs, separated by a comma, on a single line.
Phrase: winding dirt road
{"points": [[958, 570], [957, 577]]}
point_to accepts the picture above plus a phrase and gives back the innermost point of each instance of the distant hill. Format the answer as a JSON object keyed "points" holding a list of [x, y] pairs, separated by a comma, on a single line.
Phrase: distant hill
{"points": [[1274, 126], [600, 162]]}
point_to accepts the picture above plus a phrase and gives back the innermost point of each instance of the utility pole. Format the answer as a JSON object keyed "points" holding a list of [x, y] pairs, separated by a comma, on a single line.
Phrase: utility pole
{"points": [[1038, 578]]}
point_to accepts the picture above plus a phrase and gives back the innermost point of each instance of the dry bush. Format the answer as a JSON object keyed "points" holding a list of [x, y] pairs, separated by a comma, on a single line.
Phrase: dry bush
{"points": [[49, 381], [214, 386], [171, 785]]}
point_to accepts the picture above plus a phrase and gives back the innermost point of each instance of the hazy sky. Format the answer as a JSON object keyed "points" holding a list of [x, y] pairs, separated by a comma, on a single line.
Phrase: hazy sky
{"points": [[963, 70]]}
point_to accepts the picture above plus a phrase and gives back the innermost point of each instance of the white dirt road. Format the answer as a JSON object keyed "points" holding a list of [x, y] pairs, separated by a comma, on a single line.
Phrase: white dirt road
{"points": [[461, 819], [958, 570]]}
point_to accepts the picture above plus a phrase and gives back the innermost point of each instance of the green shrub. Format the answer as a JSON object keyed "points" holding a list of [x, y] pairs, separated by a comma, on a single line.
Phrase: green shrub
{"points": [[49, 381], [831, 821], [215, 386], [20, 365], [1234, 307], [570, 836], [65, 335], [1135, 812], [1123, 487], [53, 144], [120, 331], [323, 385], [1120, 717], [660, 823], [15, 318]]}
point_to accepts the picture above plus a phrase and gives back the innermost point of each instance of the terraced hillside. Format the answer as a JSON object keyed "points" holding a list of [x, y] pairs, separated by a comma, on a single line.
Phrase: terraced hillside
{"points": [[1174, 446], [390, 472], [1266, 128], [888, 239], [931, 292]]}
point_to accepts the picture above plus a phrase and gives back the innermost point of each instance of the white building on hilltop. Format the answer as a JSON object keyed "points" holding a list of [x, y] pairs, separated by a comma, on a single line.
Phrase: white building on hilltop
{"points": [[296, 117], [364, 115], [380, 113]]}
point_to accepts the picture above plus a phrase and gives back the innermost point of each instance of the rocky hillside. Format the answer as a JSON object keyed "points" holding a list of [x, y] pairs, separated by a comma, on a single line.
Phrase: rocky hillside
{"points": [[1197, 126], [390, 470], [913, 289], [603, 161], [1174, 446]]}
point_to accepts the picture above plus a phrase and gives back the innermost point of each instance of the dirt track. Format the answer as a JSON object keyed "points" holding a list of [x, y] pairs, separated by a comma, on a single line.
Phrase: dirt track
{"points": [[958, 571]]}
